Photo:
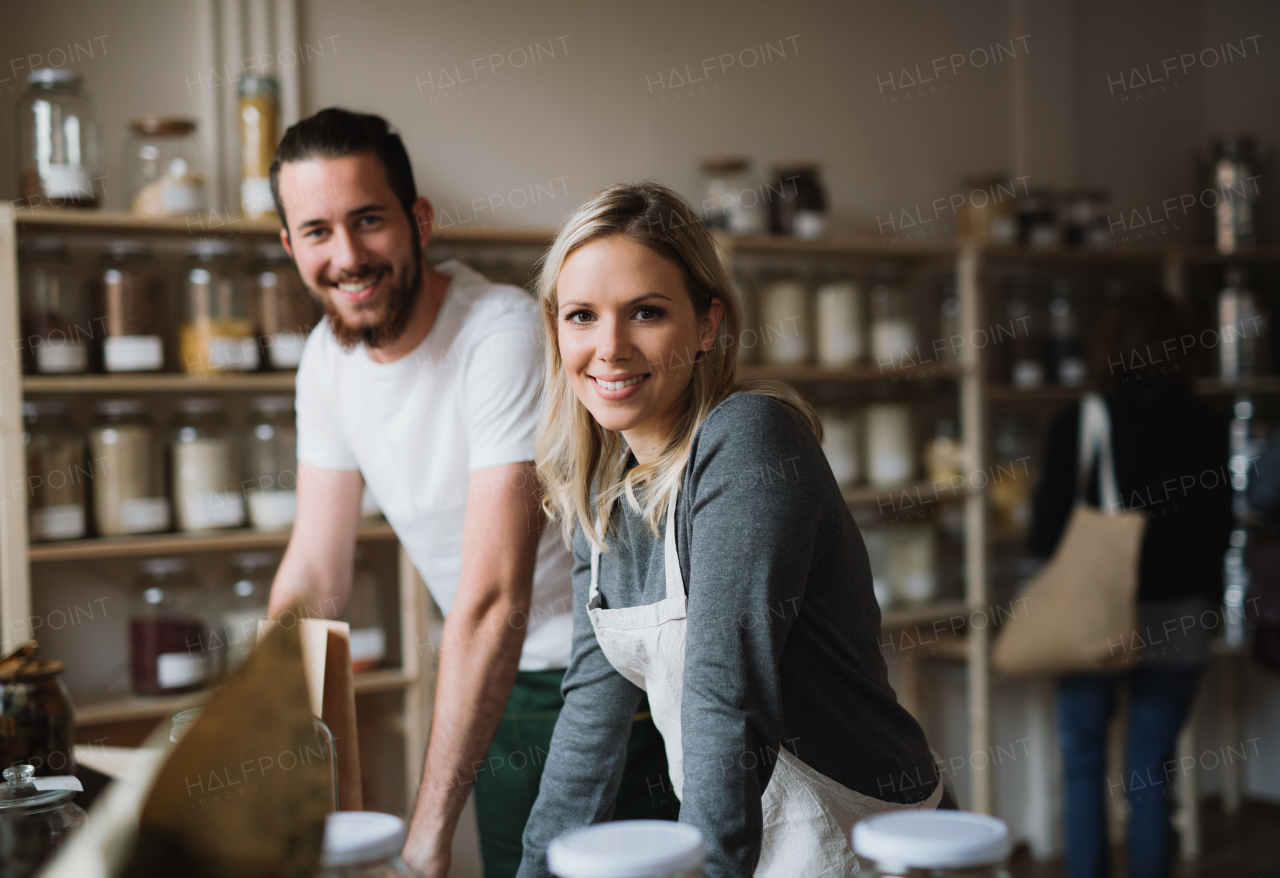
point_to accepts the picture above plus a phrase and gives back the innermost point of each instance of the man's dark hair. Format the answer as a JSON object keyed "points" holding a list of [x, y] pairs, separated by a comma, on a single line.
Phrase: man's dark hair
{"points": [[333, 133]]}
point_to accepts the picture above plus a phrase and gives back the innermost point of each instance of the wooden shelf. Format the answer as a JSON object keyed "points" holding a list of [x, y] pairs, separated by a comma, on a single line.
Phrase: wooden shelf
{"points": [[161, 382], [918, 493], [866, 247], [1008, 393], [238, 539], [82, 219], [854, 374], [896, 618], [1263, 384], [142, 708], [1014, 253]]}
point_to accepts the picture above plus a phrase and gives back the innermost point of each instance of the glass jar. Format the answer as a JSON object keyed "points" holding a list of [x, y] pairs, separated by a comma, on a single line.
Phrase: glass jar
{"points": [[1026, 348], [168, 631], [36, 816], [732, 197], [130, 309], [165, 174], [243, 603], [206, 479], [217, 332], [785, 334], [56, 472], [1234, 214], [57, 127], [363, 844], [38, 724], [893, 331], [284, 313], [271, 463], [1038, 220], [950, 337], [1009, 488], [939, 844], [629, 849], [889, 457], [364, 615], [798, 203], [129, 495], [912, 563], [876, 540], [1242, 348], [839, 319], [988, 213], [53, 309], [1066, 348], [945, 455], [840, 444], [259, 111], [1087, 223]]}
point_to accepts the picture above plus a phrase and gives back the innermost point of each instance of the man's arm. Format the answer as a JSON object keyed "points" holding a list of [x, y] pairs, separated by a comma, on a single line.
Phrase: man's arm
{"points": [[479, 652], [316, 569]]}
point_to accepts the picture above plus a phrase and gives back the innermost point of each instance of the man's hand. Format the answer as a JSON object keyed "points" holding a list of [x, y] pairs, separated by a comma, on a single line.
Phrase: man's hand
{"points": [[479, 652]]}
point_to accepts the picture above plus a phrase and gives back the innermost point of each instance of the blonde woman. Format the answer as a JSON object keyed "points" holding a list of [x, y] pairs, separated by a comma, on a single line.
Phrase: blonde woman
{"points": [[717, 566]]}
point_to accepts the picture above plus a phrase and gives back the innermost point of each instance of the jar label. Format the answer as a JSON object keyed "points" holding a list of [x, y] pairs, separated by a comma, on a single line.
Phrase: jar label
{"points": [[133, 353], [271, 509], [66, 181], [233, 353], [61, 356], [140, 515], [174, 669], [893, 341], [63, 522], [368, 644], [181, 196], [285, 349], [214, 509]]}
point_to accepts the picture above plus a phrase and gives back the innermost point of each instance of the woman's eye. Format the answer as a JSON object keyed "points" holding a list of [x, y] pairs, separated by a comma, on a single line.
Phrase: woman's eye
{"points": [[578, 317], [649, 312]]}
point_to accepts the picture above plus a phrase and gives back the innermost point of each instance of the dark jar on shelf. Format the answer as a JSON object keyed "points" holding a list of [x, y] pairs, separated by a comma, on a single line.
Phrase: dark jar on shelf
{"points": [[54, 310], [797, 202], [129, 308], [168, 634], [39, 723], [56, 472]]}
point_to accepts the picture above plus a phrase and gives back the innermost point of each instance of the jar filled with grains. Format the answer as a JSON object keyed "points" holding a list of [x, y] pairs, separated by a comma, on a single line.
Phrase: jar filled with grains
{"points": [[129, 308], [206, 479], [129, 495], [56, 472]]}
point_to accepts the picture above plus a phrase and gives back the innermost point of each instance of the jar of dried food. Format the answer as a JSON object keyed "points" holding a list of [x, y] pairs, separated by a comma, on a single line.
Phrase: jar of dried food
{"points": [[57, 129], [130, 312], [216, 333], [284, 312], [784, 310], [54, 309], [164, 168], [271, 462], [206, 478], [56, 472], [364, 615], [940, 844], [38, 721], [36, 816], [840, 444], [890, 458], [259, 111], [129, 495], [798, 202], [893, 329], [733, 200], [989, 212], [243, 602], [168, 632], [840, 323]]}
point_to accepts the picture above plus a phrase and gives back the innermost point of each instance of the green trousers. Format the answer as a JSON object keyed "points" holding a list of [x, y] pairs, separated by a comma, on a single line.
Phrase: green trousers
{"points": [[507, 785]]}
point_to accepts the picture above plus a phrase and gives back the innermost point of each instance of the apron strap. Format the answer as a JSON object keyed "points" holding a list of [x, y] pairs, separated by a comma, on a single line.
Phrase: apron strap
{"points": [[594, 595], [675, 579]]}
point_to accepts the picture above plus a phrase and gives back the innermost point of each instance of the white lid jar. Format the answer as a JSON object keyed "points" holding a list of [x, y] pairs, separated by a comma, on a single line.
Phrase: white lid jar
{"points": [[363, 844], [940, 844], [629, 849]]}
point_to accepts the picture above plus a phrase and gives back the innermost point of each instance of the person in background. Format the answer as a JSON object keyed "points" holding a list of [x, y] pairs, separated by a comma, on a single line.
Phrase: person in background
{"points": [[1170, 461], [716, 564], [421, 383]]}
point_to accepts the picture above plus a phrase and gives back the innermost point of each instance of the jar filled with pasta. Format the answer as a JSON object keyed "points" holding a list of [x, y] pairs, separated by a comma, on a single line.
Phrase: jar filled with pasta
{"points": [[216, 333], [56, 472]]}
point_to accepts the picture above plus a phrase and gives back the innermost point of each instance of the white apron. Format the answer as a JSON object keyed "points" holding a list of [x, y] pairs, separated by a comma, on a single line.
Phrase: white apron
{"points": [[807, 816]]}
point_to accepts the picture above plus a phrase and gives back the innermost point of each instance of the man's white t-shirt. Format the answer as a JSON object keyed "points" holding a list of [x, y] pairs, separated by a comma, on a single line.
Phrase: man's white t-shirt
{"points": [[465, 399]]}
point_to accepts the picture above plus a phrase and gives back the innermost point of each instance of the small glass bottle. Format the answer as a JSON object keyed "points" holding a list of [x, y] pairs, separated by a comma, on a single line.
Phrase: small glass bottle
{"points": [[271, 463], [939, 844], [243, 603], [165, 170], [54, 310], [56, 472], [168, 632], [798, 202], [206, 478], [130, 311], [1066, 348], [57, 127], [217, 332], [893, 333], [284, 313], [840, 324], [364, 615], [129, 495], [1009, 487]]}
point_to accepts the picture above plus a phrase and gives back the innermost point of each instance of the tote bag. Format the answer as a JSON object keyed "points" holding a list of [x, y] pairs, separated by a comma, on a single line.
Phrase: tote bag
{"points": [[1080, 612]]}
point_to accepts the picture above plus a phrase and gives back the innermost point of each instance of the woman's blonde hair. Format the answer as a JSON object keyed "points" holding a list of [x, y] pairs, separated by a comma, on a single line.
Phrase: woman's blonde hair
{"points": [[573, 451]]}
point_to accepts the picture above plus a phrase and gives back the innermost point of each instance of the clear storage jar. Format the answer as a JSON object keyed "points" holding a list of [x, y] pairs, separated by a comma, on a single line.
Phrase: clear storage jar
{"points": [[56, 472], [890, 459], [243, 603], [168, 631], [271, 462], [893, 329], [363, 844], [259, 111], [840, 324], [732, 197], [129, 495], [364, 615], [284, 313], [206, 477], [932, 844], [629, 849], [216, 333], [164, 166], [130, 313], [786, 332], [57, 129], [57, 331]]}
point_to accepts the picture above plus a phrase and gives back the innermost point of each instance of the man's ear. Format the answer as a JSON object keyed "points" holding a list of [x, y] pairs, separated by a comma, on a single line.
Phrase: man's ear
{"points": [[424, 218]]}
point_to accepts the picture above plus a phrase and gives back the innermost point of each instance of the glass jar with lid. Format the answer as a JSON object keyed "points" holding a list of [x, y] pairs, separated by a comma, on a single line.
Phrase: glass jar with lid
{"points": [[206, 477], [893, 329], [165, 173], [284, 313], [243, 603], [364, 615], [839, 308], [259, 111], [216, 333], [629, 849], [54, 309], [733, 200], [798, 202], [940, 844], [129, 495], [56, 472], [38, 723], [130, 313], [36, 816], [786, 333], [271, 462], [363, 844], [57, 125], [168, 631]]}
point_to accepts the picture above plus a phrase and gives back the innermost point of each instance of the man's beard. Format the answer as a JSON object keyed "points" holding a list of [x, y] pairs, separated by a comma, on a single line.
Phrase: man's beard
{"points": [[395, 319]]}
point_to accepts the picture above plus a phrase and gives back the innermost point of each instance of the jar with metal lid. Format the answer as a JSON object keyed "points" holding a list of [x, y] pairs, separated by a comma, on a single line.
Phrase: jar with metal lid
{"points": [[363, 844], [284, 313], [243, 603], [129, 308], [56, 472], [798, 202], [53, 309], [216, 333], [937, 844], [271, 462], [36, 816], [259, 111], [168, 631], [165, 173], [733, 200], [38, 724], [206, 477], [629, 849], [57, 132], [129, 495]]}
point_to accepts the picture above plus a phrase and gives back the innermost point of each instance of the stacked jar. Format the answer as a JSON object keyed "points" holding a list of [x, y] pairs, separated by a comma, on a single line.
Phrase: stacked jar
{"points": [[56, 472], [284, 312], [54, 310], [168, 631], [129, 495], [271, 463], [216, 333], [129, 309], [206, 481]]}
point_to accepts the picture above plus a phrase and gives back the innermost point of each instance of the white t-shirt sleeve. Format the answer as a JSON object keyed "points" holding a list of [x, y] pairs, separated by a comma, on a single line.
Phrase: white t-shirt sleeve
{"points": [[500, 387], [320, 440]]}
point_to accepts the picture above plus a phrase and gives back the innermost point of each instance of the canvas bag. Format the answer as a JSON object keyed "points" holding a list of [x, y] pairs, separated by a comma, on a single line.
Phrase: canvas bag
{"points": [[1080, 612]]}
